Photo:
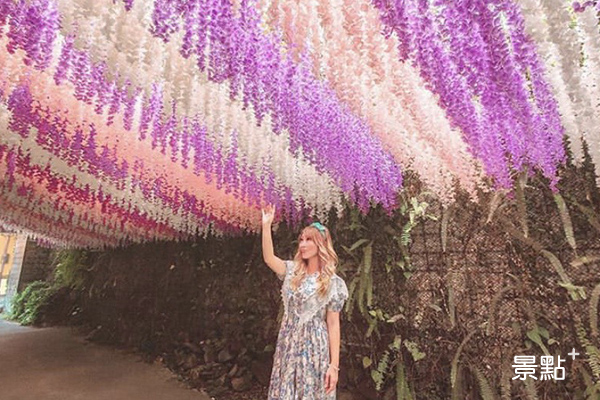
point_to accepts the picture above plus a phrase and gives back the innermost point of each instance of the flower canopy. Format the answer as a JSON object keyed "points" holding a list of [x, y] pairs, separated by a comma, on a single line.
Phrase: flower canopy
{"points": [[137, 120]]}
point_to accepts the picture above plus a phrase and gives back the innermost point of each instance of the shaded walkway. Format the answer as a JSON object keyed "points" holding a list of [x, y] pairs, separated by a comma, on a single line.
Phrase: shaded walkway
{"points": [[55, 364]]}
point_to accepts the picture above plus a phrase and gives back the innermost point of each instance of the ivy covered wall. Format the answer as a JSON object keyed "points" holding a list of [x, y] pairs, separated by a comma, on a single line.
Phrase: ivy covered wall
{"points": [[441, 300]]}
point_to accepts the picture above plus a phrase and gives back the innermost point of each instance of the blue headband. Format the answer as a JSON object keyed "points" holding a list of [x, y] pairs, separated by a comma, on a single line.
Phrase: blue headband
{"points": [[320, 227]]}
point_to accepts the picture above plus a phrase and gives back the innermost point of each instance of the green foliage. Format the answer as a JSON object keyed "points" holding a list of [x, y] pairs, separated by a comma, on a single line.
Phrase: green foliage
{"points": [[444, 229], [536, 334], [589, 213], [403, 391], [484, 386], [592, 389], [383, 367], [521, 203], [70, 271], [28, 305], [506, 380], [593, 310], [590, 350], [454, 367], [566, 219], [494, 306], [413, 348], [71, 268], [576, 292], [530, 389]]}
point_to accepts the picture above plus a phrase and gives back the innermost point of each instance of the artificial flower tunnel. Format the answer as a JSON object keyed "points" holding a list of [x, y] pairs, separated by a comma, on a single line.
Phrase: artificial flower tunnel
{"points": [[130, 121]]}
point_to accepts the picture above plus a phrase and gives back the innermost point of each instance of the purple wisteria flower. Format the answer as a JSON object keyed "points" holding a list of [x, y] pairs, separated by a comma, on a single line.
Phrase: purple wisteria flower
{"points": [[477, 58]]}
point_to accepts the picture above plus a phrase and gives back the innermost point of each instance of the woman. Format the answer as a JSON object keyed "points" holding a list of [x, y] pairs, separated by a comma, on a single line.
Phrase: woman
{"points": [[306, 360]]}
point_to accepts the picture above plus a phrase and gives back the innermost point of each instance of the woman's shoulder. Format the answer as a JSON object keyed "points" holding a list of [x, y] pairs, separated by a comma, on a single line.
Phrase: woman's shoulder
{"points": [[337, 281]]}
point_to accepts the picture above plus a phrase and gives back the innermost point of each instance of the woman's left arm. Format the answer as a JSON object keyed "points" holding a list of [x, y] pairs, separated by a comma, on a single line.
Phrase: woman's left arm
{"points": [[333, 329]]}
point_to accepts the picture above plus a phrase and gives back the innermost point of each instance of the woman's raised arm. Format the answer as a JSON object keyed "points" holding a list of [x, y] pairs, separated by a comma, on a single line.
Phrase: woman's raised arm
{"points": [[274, 262]]}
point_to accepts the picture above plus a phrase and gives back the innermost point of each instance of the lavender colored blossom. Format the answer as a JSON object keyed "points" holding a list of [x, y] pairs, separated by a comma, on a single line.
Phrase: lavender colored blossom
{"points": [[578, 7], [33, 27], [464, 54]]}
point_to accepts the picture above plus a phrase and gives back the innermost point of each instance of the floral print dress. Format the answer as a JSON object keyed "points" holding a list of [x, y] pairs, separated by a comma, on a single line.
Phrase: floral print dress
{"points": [[302, 357]]}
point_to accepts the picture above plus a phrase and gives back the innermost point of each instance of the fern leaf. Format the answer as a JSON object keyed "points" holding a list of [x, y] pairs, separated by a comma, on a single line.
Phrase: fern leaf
{"points": [[361, 294], [370, 289], [402, 389], [368, 258], [521, 205], [587, 379], [379, 374], [444, 232], [351, 298], [535, 336], [484, 386], [566, 219], [506, 380], [579, 261], [514, 232], [451, 306], [457, 389], [590, 214], [575, 292], [494, 306], [357, 244], [372, 326], [594, 310], [405, 235], [454, 367], [494, 205], [590, 350], [530, 389]]}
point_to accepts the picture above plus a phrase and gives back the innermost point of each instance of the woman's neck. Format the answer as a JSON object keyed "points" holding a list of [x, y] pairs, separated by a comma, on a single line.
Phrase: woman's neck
{"points": [[313, 265]]}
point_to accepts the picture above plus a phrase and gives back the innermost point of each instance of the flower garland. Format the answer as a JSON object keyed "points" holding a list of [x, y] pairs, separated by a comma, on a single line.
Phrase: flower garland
{"points": [[210, 101], [538, 27], [353, 56], [273, 83], [58, 99], [435, 36]]}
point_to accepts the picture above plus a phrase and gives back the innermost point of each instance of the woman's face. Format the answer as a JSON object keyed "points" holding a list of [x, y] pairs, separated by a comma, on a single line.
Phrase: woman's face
{"points": [[307, 246]]}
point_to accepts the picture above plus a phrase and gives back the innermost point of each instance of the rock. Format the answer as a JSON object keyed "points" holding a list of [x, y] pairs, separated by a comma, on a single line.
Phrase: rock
{"points": [[242, 352], [217, 391], [224, 356], [193, 347], [261, 371], [222, 381], [190, 361], [209, 355], [242, 371], [242, 383], [233, 372], [209, 371]]}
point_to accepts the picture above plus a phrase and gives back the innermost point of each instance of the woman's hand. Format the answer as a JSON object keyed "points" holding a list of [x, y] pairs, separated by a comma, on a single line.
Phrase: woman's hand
{"points": [[268, 213], [331, 379]]}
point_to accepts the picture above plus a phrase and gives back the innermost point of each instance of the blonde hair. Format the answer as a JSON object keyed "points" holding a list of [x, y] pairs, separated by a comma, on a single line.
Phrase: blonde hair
{"points": [[328, 260]]}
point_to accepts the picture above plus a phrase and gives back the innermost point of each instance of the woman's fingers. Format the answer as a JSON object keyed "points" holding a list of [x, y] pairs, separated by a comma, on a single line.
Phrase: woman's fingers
{"points": [[269, 209], [330, 383]]}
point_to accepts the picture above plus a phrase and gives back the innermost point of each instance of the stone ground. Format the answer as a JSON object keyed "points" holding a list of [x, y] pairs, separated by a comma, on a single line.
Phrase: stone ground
{"points": [[57, 364]]}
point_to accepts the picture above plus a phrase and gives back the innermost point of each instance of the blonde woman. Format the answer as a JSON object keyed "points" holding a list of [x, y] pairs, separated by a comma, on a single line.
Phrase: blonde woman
{"points": [[307, 356]]}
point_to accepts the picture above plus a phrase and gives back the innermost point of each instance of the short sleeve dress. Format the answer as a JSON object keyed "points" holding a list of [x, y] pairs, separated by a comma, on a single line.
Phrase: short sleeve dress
{"points": [[302, 355]]}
